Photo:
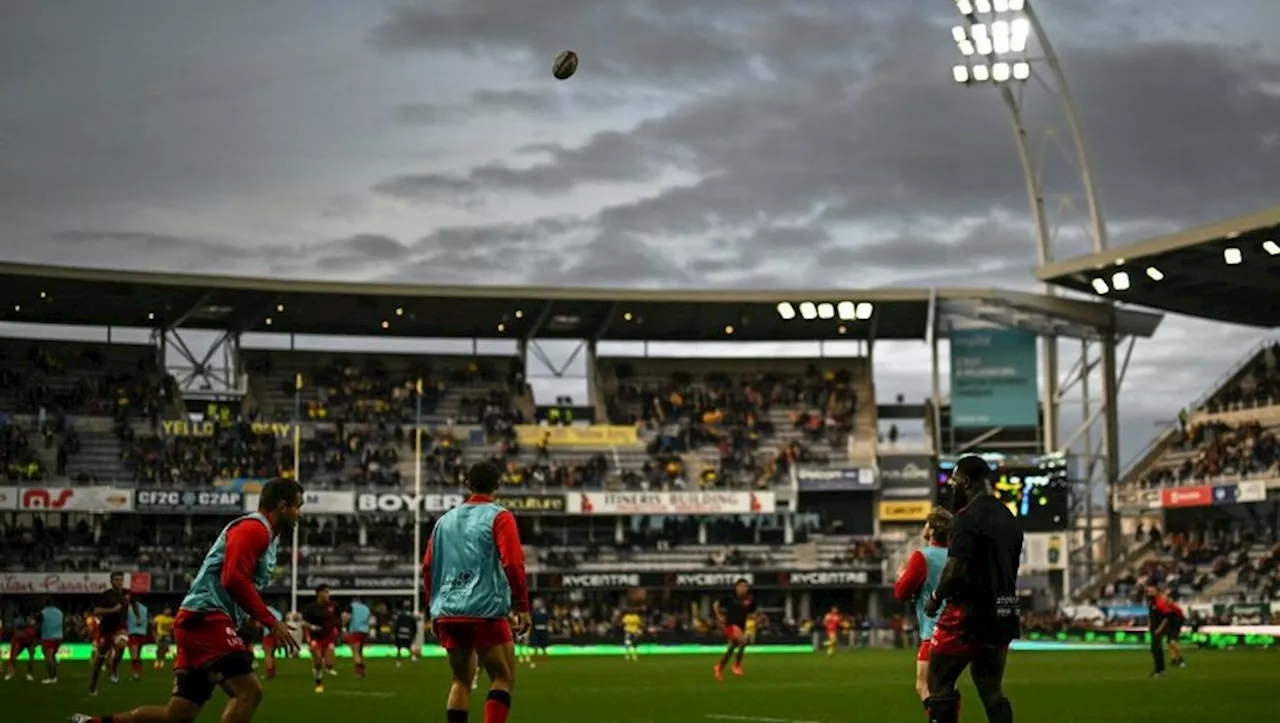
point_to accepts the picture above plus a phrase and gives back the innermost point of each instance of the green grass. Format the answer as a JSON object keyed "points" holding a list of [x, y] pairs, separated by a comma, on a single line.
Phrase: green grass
{"points": [[873, 686]]}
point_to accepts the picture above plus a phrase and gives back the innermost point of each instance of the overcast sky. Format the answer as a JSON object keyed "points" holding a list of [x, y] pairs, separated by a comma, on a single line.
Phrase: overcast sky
{"points": [[727, 143]]}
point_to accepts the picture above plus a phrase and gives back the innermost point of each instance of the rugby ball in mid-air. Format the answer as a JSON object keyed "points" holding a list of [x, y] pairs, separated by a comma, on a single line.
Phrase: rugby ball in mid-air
{"points": [[565, 66]]}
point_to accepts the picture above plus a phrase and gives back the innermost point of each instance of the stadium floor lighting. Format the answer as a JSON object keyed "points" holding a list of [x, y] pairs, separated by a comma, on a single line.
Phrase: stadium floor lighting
{"points": [[786, 311], [1155, 274], [847, 310], [826, 310], [1100, 286], [808, 310], [1120, 280], [1271, 247], [1232, 256], [864, 311]]}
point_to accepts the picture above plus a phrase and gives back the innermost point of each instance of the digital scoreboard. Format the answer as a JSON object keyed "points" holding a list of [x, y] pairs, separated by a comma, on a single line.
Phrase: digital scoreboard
{"points": [[1037, 491]]}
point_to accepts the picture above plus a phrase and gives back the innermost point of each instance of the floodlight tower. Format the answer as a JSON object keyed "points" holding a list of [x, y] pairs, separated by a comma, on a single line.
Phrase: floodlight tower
{"points": [[1004, 45]]}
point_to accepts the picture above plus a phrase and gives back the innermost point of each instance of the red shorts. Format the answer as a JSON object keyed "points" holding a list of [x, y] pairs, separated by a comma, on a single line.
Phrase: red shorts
{"points": [[268, 642], [951, 639], [203, 638], [357, 639], [50, 648], [922, 655], [323, 642], [107, 641], [21, 644], [473, 634], [137, 641], [733, 632]]}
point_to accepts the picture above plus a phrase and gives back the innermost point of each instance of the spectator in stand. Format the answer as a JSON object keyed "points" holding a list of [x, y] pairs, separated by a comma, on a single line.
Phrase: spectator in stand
{"points": [[1221, 449], [1258, 386]]}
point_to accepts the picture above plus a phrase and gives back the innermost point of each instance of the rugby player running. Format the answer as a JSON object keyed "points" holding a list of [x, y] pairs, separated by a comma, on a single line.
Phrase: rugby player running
{"points": [[223, 594], [979, 588], [111, 611], [732, 616], [917, 580], [474, 577], [323, 622]]}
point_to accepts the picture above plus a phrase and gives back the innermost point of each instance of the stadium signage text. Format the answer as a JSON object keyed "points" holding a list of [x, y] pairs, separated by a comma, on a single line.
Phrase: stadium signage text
{"points": [[391, 502], [208, 429], [835, 480], [445, 501], [76, 499], [39, 583], [601, 580], [907, 476], [596, 435], [828, 579], [712, 579], [670, 503], [211, 502], [357, 582]]}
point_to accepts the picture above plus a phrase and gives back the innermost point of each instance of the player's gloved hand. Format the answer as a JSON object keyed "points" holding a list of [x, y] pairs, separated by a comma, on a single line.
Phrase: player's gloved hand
{"points": [[284, 635], [523, 623], [932, 606]]}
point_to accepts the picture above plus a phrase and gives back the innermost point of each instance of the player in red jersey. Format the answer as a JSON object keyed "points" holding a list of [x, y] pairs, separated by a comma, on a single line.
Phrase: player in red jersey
{"points": [[473, 576], [111, 611], [978, 585], [831, 623], [732, 616], [1174, 619], [24, 640], [225, 592], [321, 618]]}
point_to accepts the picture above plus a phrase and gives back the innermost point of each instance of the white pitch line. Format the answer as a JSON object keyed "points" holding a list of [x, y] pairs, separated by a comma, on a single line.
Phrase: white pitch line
{"points": [[754, 719], [363, 693]]}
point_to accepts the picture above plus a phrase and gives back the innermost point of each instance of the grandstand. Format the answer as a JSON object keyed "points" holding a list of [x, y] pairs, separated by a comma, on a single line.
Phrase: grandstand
{"points": [[1196, 500], [101, 416], [676, 447]]}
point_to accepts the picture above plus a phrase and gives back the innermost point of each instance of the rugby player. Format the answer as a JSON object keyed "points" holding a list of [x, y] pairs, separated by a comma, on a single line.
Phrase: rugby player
{"points": [[632, 629], [23, 640], [223, 594], [979, 588], [358, 617], [163, 624], [831, 623], [474, 577], [404, 631], [916, 583], [322, 620], [51, 624], [732, 615], [138, 625], [111, 630]]}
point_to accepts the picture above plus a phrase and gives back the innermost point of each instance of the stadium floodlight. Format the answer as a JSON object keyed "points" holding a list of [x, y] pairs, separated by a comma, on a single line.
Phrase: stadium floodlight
{"points": [[786, 311], [1232, 256], [1120, 281], [1271, 247], [847, 311], [864, 311], [998, 35], [1155, 274], [826, 310], [1100, 286], [808, 310]]}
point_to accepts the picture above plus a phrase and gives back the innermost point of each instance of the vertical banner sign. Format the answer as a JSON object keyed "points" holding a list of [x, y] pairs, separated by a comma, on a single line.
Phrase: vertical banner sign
{"points": [[993, 378]]}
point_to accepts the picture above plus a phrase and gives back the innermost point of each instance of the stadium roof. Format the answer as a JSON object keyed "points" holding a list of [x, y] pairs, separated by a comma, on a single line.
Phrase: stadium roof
{"points": [[1228, 271], [99, 297]]}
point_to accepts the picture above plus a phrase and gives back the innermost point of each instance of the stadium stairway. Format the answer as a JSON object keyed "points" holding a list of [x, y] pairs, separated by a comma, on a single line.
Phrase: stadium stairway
{"points": [[1132, 559]]}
